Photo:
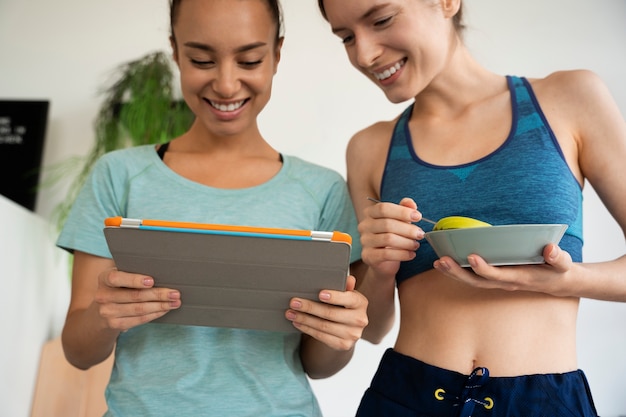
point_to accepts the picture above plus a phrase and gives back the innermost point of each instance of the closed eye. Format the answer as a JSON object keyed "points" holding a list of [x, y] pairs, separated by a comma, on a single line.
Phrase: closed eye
{"points": [[383, 21], [251, 64], [201, 63]]}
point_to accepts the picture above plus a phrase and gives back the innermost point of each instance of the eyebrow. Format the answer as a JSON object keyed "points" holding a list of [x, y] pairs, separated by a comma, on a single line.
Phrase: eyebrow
{"points": [[365, 16], [208, 48]]}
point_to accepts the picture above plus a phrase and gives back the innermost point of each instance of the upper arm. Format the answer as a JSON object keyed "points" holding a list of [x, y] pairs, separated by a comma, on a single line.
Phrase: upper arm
{"points": [[591, 133], [602, 137], [366, 156]]}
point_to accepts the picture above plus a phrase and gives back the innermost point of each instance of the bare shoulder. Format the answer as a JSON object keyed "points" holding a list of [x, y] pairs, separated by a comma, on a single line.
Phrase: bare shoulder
{"points": [[365, 157], [577, 101], [568, 79], [569, 87], [368, 142]]}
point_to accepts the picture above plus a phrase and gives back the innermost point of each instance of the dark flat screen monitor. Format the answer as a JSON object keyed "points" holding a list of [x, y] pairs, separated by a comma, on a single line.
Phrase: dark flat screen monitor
{"points": [[22, 136]]}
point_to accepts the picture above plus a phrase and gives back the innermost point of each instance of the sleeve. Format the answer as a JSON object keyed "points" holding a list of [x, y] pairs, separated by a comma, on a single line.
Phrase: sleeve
{"points": [[338, 214], [98, 199]]}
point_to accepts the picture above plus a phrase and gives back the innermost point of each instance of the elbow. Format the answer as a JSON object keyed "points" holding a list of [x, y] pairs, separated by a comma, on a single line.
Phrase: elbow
{"points": [[320, 375], [375, 335], [373, 339], [82, 357], [83, 362], [327, 370], [77, 362], [76, 359]]}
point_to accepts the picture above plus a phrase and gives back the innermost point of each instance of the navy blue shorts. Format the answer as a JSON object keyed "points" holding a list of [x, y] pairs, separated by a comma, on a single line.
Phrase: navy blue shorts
{"points": [[404, 386]]}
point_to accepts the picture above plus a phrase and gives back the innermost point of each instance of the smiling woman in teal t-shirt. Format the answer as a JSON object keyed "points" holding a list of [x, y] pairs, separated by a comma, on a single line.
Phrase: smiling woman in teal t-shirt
{"points": [[221, 171]]}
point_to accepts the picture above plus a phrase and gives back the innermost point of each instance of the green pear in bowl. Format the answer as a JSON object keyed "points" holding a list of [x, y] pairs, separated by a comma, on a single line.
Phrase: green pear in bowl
{"points": [[458, 222]]}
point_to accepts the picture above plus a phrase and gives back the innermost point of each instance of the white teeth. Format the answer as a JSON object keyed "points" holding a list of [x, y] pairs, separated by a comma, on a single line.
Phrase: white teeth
{"points": [[227, 107], [388, 72]]}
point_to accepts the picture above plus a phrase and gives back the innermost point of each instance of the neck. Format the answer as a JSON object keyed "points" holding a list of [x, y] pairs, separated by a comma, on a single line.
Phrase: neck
{"points": [[463, 82]]}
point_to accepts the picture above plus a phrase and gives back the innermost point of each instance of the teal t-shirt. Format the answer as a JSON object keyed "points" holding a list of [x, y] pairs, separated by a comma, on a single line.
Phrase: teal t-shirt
{"points": [[173, 370]]}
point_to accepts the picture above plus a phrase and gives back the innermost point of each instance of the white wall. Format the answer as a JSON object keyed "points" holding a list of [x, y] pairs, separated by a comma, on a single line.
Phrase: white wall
{"points": [[62, 51], [40, 293]]}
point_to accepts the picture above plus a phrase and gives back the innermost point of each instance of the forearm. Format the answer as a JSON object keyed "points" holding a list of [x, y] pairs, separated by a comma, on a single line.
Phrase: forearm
{"points": [[601, 281], [321, 361], [86, 339], [380, 292]]}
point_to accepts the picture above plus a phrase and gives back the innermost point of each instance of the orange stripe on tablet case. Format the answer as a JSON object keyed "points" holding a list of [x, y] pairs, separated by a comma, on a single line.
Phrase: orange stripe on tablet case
{"points": [[342, 237], [336, 235]]}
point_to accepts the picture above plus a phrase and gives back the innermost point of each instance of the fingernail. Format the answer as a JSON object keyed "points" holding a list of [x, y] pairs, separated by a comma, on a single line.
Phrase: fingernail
{"points": [[442, 265], [147, 282], [472, 260], [554, 253], [296, 304], [324, 296], [173, 295], [415, 216], [291, 315]]}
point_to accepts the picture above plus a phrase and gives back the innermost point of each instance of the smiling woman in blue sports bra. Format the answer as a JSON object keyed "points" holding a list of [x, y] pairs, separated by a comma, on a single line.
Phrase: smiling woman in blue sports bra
{"points": [[484, 340]]}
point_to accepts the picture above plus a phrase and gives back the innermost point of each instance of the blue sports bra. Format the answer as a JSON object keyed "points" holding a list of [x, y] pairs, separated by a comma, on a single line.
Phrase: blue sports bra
{"points": [[526, 180]]}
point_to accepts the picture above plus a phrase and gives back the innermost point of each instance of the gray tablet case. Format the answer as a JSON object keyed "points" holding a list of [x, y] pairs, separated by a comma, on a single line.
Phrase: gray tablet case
{"points": [[231, 279]]}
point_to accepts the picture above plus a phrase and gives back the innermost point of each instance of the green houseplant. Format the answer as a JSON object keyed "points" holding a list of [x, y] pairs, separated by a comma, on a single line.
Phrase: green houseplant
{"points": [[139, 107]]}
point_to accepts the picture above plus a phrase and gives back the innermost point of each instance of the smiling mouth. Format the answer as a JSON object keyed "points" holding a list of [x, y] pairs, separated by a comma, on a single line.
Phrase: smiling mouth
{"points": [[380, 76], [230, 107]]}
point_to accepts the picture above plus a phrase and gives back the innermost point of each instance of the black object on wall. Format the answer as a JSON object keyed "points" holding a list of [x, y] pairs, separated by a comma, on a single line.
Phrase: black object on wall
{"points": [[22, 135]]}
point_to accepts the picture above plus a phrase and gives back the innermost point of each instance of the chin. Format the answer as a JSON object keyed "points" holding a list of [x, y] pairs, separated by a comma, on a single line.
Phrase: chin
{"points": [[397, 98]]}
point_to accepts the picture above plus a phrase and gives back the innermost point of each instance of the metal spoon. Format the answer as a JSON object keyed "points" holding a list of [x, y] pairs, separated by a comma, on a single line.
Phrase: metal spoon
{"points": [[423, 218]]}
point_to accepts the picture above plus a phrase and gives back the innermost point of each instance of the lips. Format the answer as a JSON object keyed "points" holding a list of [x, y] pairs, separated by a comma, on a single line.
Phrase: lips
{"points": [[388, 72]]}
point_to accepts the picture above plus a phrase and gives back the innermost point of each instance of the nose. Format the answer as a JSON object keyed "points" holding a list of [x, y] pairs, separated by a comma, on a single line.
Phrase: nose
{"points": [[226, 84], [367, 51]]}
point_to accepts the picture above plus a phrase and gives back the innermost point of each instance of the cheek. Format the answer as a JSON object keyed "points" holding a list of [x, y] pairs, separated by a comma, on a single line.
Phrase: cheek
{"points": [[260, 81], [190, 79]]}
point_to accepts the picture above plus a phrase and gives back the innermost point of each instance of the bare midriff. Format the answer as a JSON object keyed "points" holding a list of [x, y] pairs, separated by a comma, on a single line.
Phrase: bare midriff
{"points": [[450, 325]]}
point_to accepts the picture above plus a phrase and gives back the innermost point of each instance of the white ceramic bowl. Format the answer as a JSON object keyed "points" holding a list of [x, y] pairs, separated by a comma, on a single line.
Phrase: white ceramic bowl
{"points": [[499, 245]]}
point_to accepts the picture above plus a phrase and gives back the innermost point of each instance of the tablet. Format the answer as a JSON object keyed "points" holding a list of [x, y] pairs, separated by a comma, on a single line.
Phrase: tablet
{"points": [[230, 275]]}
